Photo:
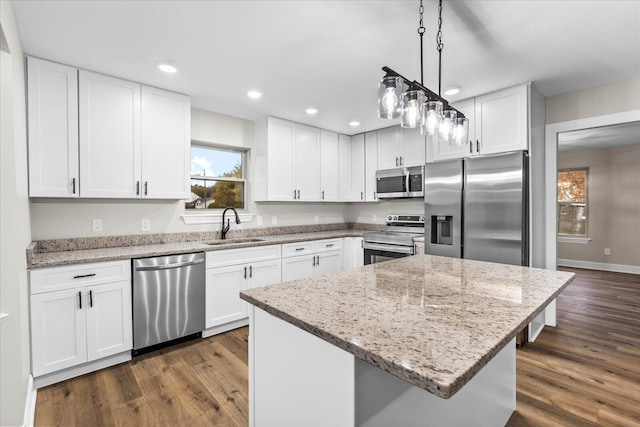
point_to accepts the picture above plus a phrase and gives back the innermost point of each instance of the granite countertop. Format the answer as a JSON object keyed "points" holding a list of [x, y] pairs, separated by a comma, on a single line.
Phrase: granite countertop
{"points": [[431, 321], [72, 251]]}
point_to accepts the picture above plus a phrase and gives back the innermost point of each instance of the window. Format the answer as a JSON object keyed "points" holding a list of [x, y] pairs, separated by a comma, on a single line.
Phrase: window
{"points": [[217, 178], [573, 204]]}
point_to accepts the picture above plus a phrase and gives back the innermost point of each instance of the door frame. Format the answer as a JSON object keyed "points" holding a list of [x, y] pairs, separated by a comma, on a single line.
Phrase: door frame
{"points": [[551, 166]]}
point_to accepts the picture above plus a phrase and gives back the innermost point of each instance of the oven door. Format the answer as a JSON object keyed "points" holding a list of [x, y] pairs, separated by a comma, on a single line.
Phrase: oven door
{"points": [[377, 252]]}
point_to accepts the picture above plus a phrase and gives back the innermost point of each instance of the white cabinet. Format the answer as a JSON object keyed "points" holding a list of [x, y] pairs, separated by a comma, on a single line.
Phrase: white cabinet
{"points": [[498, 122], [308, 259], [287, 161], [52, 129], [166, 142], [346, 166], [370, 165], [233, 270], [353, 252], [79, 314], [358, 189], [398, 147], [329, 166]]}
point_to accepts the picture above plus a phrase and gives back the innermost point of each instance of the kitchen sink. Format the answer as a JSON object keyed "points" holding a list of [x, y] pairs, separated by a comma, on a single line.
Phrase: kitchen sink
{"points": [[232, 241]]}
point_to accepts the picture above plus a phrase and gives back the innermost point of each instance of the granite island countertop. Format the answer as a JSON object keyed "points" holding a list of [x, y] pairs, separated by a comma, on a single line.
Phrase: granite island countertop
{"points": [[79, 251], [431, 321]]}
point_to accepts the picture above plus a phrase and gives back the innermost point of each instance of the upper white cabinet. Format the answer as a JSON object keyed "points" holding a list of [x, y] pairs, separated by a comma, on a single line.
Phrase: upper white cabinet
{"points": [[398, 147], [287, 161], [52, 129], [358, 190], [498, 122], [370, 166], [329, 166], [96, 136], [109, 136]]}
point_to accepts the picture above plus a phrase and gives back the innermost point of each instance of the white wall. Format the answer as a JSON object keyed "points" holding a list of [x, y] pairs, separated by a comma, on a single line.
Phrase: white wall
{"points": [[14, 225]]}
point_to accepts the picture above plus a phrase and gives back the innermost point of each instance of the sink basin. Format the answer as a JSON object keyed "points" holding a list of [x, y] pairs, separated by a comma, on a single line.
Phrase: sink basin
{"points": [[232, 241]]}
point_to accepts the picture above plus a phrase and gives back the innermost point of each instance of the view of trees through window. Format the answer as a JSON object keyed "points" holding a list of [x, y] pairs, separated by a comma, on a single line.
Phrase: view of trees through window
{"points": [[217, 179], [572, 202]]}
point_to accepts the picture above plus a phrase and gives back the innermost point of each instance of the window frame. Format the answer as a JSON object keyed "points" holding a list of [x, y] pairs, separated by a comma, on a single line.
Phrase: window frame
{"points": [[574, 238]]}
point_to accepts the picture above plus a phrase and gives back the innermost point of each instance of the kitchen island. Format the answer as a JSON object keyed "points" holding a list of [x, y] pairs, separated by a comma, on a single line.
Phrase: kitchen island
{"points": [[421, 340]]}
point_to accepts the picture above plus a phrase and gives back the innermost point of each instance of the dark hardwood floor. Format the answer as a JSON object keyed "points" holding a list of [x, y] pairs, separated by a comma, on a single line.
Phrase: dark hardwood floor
{"points": [[584, 372]]}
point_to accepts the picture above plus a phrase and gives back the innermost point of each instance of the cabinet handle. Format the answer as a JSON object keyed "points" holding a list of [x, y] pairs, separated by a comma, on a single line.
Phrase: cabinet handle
{"points": [[137, 188], [80, 299], [90, 298], [318, 262], [251, 271], [299, 249], [477, 146], [145, 188], [84, 275], [73, 184], [329, 245], [374, 195], [401, 161], [470, 147], [298, 194], [294, 194], [245, 272], [314, 261], [396, 161], [362, 195], [322, 194]]}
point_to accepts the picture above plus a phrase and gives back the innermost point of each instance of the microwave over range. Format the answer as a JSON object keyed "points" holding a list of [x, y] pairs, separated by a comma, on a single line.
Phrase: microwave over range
{"points": [[400, 183]]}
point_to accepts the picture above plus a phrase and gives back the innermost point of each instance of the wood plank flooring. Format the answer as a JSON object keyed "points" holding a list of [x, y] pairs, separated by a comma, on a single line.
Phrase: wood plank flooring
{"points": [[585, 372]]}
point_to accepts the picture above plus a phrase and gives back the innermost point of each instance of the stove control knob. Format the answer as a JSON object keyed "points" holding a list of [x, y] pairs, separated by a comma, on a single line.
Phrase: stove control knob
{"points": [[395, 217], [389, 217], [422, 219]]}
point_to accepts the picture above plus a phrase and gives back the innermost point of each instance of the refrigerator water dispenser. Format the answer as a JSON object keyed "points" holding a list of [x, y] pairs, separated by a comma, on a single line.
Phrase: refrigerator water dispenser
{"points": [[442, 230]]}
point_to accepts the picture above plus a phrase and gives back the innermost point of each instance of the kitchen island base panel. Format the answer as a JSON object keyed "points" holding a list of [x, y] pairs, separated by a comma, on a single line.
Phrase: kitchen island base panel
{"points": [[296, 378]]}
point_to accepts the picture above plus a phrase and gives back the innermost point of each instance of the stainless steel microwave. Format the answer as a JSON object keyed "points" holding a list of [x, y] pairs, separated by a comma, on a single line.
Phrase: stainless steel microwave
{"points": [[400, 183]]}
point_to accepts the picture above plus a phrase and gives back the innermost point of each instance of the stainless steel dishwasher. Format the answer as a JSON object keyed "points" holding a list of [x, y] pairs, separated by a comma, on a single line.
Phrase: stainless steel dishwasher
{"points": [[168, 299]]}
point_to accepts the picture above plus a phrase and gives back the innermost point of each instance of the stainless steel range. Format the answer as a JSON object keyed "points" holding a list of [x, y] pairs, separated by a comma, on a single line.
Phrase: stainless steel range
{"points": [[397, 241]]}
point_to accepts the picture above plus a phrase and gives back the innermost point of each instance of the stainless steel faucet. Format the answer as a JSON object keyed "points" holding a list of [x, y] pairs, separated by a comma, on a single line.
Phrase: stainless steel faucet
{"points": [[225, 228]]}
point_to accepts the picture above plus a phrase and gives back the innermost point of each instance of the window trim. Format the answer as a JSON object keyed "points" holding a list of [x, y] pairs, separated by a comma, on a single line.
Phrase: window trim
{"points": [[573, 238]]}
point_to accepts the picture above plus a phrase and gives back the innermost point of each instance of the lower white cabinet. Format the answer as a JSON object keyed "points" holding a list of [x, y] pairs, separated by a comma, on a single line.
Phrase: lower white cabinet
{"points": [[308, 259], [83, 320], [353, 252], [234, 270]]}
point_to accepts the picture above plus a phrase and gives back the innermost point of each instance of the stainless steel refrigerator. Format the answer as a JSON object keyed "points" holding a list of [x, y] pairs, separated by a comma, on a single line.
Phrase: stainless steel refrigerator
{"points": [[477, 208]]}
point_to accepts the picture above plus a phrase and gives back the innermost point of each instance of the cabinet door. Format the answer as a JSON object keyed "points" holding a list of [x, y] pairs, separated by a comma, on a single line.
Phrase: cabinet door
{"points": [[166, 142], [223, 286], [502, 120], [109, 328], [357, 168], [389, 147], [413, 148], [307, 163], [328, 262], [345, 167], [329, 166], [265, 273], [109, 136], [52, 129], [58, 330], [370, 165], [297, 267], [280, 159], [444, 151]]}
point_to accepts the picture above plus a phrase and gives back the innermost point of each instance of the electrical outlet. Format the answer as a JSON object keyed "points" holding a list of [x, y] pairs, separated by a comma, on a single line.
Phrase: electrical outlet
{"points": [[97, 225], [274, 220], [374, 217], [607, 251], [145, 224], [259, 220], [315, 219]]}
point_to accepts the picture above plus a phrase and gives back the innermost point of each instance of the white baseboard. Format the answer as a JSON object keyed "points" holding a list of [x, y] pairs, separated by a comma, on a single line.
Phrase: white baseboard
{"points": [[30, 404], [618, 268]]}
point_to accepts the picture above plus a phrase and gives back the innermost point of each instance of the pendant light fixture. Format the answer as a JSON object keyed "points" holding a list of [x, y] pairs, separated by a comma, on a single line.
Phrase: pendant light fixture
{"points": [[418, 106]]}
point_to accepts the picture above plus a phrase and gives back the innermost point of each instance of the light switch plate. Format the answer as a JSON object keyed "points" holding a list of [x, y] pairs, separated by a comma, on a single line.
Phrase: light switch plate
{"points": [[607, 251], [97, 225], [274, 220], [145, 224]]}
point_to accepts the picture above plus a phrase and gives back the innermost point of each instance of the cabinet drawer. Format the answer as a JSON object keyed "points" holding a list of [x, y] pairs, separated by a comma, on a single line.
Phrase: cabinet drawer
{"points": [[226, 257], [71, 276], [295, 249], [328, 245]]}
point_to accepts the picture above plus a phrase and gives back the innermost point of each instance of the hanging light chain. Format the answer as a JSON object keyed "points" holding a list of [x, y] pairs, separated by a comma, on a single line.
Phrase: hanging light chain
{"points": [[439, 46], [421, 31]]}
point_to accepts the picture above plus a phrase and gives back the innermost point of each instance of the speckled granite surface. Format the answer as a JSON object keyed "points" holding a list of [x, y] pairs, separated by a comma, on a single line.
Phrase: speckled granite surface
{"points": [[431, 321], [50, 253]]}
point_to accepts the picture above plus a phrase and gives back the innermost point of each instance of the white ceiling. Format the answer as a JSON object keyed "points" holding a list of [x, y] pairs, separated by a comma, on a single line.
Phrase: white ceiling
{"points": [[328, 54], [622, 135]]}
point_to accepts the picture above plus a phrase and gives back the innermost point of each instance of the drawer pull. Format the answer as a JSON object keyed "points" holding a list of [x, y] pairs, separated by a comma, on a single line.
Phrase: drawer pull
{"points": [[84, 275], [330, 245], [299, 249], [80, 299]]}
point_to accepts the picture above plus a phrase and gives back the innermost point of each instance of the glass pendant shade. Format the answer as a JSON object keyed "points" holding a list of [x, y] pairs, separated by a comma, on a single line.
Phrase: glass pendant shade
{"points": [[412, 108], [389, 97], [432, 117], [445, 131], [460, 132]]}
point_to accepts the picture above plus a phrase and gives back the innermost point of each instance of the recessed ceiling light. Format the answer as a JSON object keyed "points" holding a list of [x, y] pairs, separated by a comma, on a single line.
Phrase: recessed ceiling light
{"points": [[254, 94], [354, 123], [311, 111], [452, 91], [167, 67]]}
